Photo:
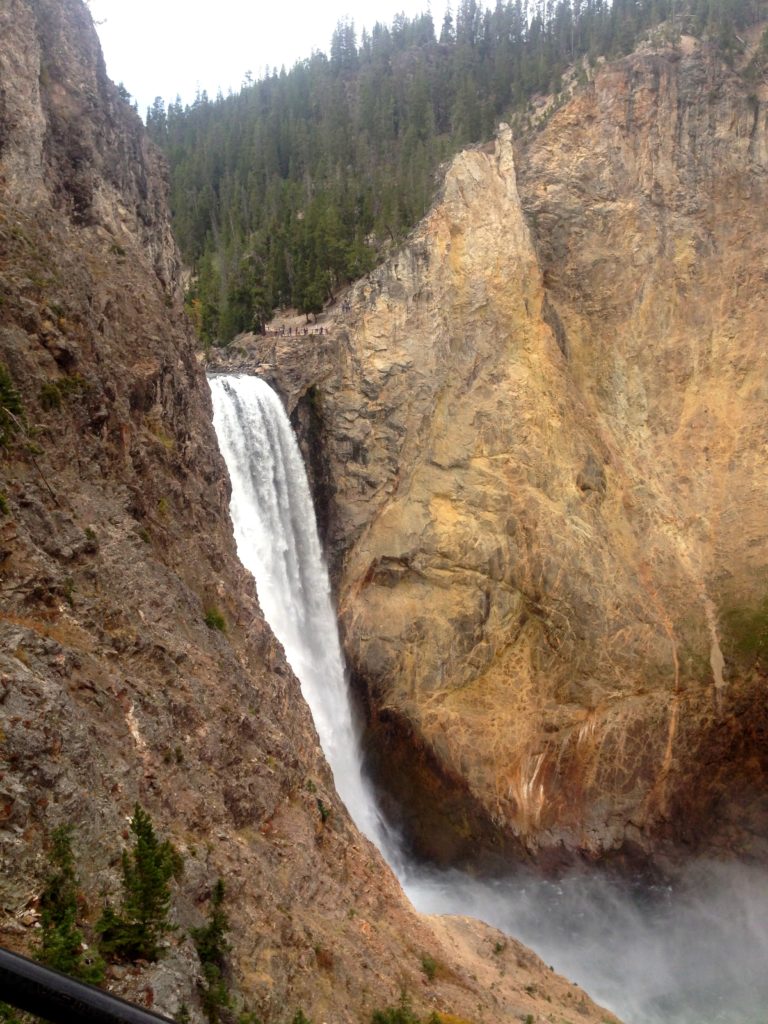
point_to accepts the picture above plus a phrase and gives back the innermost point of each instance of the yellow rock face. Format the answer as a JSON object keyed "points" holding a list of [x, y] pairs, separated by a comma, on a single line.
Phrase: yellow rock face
{"points": [[546, 430]]}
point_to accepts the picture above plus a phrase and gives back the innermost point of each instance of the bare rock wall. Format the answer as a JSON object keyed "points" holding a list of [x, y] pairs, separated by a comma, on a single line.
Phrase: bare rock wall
{"points": [[544, 423]]}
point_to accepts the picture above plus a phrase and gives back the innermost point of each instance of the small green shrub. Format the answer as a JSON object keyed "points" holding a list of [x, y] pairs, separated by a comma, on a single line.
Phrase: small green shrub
{"points": [[400, 1014], [50, 396], [429, 966], [53, 393], [746, 630], [215, 620], [325, 812], [4, 509], [11, 408], [403, 1014]]}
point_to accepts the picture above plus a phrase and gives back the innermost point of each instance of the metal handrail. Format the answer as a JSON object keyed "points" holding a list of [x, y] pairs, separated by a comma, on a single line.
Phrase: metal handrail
{"points": [[61, 999]]}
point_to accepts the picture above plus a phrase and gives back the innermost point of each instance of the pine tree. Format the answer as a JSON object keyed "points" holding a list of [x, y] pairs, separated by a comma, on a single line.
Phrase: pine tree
{"points": [[11, 409], [137, 931], [61, 941], [212, 948]]}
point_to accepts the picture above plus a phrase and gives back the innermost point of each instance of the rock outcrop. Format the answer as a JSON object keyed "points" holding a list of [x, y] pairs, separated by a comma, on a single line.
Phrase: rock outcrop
{"points": [[116, 547], [544, 427]]}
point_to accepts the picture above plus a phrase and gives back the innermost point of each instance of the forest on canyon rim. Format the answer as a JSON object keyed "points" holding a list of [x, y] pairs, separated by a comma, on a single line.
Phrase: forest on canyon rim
{"points": [[296, 185]]}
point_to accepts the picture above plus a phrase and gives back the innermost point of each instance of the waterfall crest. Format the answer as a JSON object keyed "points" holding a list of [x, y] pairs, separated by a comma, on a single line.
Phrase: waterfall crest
{"points": [[276, 536]]}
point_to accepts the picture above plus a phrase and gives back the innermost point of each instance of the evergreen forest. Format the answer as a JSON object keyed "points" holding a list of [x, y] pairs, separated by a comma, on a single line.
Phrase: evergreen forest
{"points": [[295, 186]]}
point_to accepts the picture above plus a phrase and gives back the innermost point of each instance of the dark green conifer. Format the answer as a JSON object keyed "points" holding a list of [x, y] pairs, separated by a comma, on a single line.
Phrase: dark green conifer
{"points": [[61, 941], [137, 930], [309, 175], [212, 948]]}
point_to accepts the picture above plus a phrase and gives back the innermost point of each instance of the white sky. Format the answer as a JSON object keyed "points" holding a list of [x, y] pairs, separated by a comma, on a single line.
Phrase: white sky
{"points": [[165, 47]]}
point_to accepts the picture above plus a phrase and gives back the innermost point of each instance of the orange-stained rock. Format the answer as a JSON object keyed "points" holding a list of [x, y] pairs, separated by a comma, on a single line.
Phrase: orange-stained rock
{"points": [[543, 428]]}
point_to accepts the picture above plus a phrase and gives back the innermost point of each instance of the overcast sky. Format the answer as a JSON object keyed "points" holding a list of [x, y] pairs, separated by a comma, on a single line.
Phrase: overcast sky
{"points": [[165, 47]]}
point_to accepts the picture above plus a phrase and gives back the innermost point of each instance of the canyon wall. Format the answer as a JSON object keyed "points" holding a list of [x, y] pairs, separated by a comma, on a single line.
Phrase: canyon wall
{"points": [[117, 563], [543, 427]]}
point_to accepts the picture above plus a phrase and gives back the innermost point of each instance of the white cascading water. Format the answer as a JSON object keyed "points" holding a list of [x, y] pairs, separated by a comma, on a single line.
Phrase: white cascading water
{"points": [[693, 955], [277, 541]]}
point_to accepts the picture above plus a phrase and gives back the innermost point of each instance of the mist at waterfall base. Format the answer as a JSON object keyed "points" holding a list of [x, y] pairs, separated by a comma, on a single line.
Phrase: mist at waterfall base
{"points": [[695, 953]]}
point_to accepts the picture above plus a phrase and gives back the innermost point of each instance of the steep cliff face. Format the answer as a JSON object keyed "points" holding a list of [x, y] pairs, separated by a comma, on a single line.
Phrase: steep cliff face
{"points": [[114, 543], [545, 423], [661, 292]]}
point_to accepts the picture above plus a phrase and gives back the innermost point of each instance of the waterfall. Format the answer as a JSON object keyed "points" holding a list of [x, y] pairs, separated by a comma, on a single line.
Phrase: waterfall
{"points": [[694, 954], [276, 535]]}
